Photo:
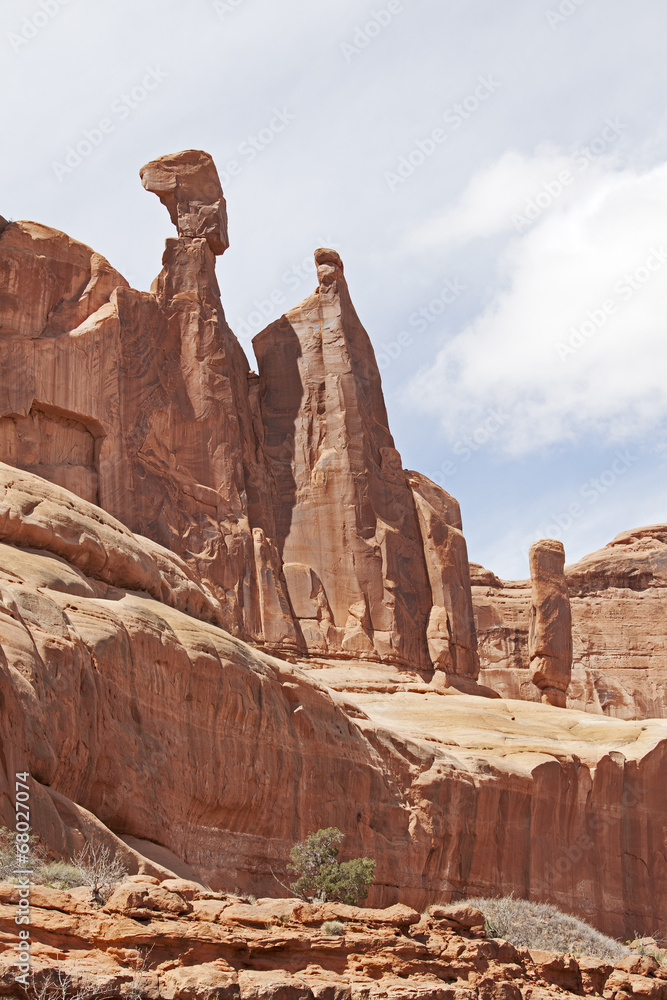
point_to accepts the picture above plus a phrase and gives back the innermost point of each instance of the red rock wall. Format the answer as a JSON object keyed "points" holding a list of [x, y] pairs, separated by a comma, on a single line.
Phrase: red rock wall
{"points": [[170, 731]]}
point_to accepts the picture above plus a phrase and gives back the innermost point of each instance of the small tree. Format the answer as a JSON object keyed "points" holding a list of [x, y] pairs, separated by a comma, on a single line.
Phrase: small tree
{"points": [[322, 876]]}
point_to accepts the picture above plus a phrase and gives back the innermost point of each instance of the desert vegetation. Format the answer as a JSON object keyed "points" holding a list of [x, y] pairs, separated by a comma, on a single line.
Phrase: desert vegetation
{"points": [[541, 925], [322, 877], [93, 866]]}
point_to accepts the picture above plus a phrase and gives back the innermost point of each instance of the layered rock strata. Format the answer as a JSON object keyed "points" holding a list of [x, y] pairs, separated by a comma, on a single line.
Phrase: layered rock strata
{"points": [[171, 939]]}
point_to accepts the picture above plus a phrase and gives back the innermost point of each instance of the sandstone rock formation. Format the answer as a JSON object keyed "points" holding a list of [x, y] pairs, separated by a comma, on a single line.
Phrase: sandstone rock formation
{"points": [[284, 492], [191, 746], [137, 402], [172, 939], [188, 185], [550, 632], [618, 600], [348, 529], [161, 504], [452, 641]]}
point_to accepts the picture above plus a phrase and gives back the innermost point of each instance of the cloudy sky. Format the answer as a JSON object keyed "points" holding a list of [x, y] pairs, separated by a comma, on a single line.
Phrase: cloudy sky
{"points": [[493, 174]]}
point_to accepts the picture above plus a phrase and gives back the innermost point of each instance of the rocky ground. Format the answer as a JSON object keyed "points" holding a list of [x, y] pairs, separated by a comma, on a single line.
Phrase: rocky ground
{"points": [[177, 941]]}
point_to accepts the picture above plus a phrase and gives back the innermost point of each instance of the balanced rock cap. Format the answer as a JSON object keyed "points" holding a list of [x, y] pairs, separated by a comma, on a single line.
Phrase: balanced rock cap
{"points": [[329, 265], [188, 185]]}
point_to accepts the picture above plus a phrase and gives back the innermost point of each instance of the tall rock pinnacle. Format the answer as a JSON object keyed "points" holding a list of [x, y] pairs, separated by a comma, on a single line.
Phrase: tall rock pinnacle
{"points": [[550, 636], [348, 529]]}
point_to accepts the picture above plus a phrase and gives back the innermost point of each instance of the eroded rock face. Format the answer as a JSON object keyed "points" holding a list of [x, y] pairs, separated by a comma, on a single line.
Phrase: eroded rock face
{"points": [[550, 634], [139, 402], [162, 503], [452, 642], [203, 944], [347, 527]]}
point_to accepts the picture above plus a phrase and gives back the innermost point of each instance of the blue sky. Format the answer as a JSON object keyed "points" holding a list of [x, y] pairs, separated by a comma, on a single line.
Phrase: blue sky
{"points": [[494, 176]]}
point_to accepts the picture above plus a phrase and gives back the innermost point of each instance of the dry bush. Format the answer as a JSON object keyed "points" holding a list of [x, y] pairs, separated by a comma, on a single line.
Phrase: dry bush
{"points": [[57, 984], [541, 925], [332, 927], [99, 870], [649, 946], [58, 874]]}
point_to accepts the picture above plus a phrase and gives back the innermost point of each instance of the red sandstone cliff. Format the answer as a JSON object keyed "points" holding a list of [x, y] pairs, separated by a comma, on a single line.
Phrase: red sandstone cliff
{"points": [[140, 720]]}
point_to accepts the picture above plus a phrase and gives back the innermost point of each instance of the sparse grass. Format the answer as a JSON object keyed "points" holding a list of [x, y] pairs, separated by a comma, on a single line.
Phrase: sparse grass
{"points": [[332, 927], [10, 862], [60, 875], [653, 949], [245, 897], [540, 925]]}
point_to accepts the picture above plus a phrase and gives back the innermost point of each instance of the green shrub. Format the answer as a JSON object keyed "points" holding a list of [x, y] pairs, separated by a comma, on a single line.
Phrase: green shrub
{"points": [[322, 876], [540, 925]]}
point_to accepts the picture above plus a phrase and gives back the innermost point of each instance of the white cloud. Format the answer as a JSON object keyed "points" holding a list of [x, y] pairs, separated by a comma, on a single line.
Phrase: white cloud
{"points": [[575, 340]]}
